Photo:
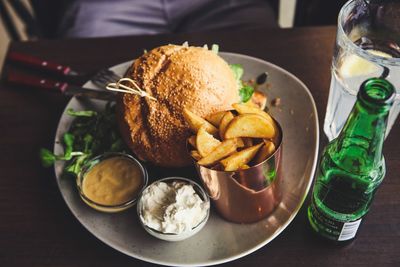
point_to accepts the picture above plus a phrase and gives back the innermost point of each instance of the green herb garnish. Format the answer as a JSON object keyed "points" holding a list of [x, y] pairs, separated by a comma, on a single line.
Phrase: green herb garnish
{"points": [[245, 91], [237, 72], [47, 157], [92, 133], [83, 113]]}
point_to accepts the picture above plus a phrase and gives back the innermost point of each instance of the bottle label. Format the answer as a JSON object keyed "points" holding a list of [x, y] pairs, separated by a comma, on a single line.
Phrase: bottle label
{"points": [[349, 230], [331, 228]]}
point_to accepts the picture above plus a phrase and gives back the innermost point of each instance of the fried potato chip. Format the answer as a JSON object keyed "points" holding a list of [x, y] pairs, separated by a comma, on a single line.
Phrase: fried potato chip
{"points": [[248, 142], [192, 141], [250, 125], [265, 152], [246, 109], [238, 159], [195, 122], [250, 103], [215, 118], [195, 154], [226, 148], [244, 167], [205, 142], [259, 99], [240, 142], [226, 119]]}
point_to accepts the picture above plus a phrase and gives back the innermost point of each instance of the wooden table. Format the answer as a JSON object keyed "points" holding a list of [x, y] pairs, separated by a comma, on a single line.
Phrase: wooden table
{"points": [[36, 227]]}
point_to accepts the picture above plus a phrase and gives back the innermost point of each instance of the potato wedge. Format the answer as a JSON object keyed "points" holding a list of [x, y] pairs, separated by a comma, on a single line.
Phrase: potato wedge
{"points": [[250, 125], [205, 142], [250, 104], [215, 118], [238, 159], [248, 142], [192, 141], [226, 148], [244, 167], [226, 119], [246, 109], [265, 151], [195, 154], [195, 122], [259, 99], [240, 142]]}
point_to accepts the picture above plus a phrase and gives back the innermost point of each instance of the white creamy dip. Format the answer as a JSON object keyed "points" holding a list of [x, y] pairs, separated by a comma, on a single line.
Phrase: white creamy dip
{"points": [[172, 207]]}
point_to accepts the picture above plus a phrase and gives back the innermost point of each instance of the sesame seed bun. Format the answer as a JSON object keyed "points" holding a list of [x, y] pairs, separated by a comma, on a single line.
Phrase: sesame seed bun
{"points": [[177, 77]]}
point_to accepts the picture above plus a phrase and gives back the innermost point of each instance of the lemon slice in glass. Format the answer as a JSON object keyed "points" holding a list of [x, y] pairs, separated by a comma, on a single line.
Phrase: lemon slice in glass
{"points": [[354, 65]]}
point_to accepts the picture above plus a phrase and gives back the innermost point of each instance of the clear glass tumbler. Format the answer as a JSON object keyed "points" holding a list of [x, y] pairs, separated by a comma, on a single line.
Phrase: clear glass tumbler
{"points": [[367, 45]]}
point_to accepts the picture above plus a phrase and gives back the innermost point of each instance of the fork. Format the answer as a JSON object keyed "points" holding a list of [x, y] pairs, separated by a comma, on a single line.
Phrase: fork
{"points": [[104, 77]]}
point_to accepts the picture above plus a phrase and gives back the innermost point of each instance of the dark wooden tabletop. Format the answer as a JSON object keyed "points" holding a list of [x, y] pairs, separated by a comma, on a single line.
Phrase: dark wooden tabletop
{"points": [[37, 228]]}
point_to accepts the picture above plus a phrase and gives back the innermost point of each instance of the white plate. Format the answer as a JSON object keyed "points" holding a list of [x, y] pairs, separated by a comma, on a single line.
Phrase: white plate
{"points": [[220, 241]]}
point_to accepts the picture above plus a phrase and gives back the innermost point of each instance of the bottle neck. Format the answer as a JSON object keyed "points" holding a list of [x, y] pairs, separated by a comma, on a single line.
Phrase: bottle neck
{"points": [[359, 146], [363, 133]]}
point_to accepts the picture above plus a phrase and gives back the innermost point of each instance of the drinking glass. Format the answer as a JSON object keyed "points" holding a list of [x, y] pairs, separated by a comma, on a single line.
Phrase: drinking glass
{"points": [[367, 45]]}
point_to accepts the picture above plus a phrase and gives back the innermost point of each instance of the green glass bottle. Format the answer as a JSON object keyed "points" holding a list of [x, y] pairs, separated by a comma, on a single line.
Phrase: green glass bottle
{"points": [[352, 165]]}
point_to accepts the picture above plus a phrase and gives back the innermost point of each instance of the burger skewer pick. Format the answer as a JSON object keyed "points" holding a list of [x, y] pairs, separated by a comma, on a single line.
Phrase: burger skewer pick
{"points": [[119, 87]]}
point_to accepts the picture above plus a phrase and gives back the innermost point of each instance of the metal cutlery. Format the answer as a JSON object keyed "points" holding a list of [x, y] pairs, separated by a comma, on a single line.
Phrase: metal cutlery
{"points": [[58, 69], [66, 77], [23, 79]]}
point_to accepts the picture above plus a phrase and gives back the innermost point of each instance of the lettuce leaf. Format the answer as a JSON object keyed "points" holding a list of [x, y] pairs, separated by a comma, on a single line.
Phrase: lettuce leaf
{"points": [[245, 91]]}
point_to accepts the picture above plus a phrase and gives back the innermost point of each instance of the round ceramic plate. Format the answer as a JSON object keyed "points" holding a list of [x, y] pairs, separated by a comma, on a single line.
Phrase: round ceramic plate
{"points": [[219, 241]]}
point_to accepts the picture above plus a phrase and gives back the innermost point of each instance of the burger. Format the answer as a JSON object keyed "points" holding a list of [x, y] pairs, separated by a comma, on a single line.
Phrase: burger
{"points": [[178, 77]]}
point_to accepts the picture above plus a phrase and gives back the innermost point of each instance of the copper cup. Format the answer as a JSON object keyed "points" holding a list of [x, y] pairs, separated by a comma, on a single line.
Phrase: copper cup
{"points": [[249, 195]]}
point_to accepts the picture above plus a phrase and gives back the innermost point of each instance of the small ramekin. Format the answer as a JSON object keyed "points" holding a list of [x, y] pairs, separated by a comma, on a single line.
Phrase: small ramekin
{"points": [[173, 236], [110, 208]]}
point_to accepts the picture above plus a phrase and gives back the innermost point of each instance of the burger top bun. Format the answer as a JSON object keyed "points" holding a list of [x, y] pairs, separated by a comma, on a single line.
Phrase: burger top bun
{"points": [[177, 77]]}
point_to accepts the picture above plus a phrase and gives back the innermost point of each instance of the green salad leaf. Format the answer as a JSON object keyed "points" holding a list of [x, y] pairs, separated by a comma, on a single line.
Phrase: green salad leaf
{"points": [[238, 71], [69, 142], [83, 113], [91, 133], [47, 157], [245, 91]]}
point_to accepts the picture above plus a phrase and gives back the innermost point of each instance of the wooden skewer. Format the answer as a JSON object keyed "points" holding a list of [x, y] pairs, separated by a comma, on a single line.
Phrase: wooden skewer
{"points": [[135, 90]]}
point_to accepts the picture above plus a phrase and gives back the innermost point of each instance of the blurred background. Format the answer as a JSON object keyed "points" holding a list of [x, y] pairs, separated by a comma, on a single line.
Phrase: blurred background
{"points": [[22, 20]]}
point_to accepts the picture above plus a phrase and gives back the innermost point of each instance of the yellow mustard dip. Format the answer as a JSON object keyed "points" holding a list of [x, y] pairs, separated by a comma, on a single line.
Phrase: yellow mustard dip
{"points": [[113, 181]]}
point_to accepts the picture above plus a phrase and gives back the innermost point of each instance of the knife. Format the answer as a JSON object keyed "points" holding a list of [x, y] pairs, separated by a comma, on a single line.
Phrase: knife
{"points": [[41, 64], [77, 91], [27, 80]]}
